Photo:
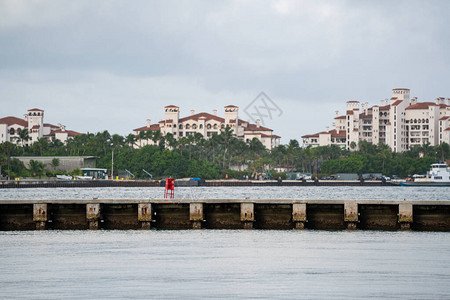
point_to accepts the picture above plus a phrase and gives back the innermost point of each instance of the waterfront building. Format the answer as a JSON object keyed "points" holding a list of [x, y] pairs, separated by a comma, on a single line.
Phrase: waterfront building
{"points": [[33, 121], [400, 122], [207, 124]]}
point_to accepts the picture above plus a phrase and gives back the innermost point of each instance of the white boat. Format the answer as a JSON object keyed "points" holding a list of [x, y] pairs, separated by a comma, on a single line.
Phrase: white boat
{"points": [[64, 177], [84, 177], [439, 175]]}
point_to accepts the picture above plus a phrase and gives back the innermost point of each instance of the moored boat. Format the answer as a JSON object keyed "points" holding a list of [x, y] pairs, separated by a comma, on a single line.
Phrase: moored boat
{"points": [[439, 175]]}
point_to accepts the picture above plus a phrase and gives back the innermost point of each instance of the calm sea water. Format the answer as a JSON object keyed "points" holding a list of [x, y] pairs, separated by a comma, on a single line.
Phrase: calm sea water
{"points": [[219, 264], [370, 193]]}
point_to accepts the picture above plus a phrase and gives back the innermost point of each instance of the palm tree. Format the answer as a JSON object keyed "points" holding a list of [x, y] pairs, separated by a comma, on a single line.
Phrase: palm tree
{"points": [[117, 141], [7, 147], [212, 143], [171, 141], [142, 135], [385, 153], [23, 137], [130, 140], [226, 136], [54, 163], [36, 168], [190, 140], [104, 139], [41, 144], [181, 143], [156, 137]]}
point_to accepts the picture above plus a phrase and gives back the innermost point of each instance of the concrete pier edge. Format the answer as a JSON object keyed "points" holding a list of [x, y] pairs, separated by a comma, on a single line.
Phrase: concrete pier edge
{"points": [[347, 214]]}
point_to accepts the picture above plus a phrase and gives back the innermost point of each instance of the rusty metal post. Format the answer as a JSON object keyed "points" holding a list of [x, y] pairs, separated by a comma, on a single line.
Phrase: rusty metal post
{"points": [[247, 215], [351, 214], [93, 215], [145, 215], [40, 215], [299, 215], [196, 215], [405, 215]]}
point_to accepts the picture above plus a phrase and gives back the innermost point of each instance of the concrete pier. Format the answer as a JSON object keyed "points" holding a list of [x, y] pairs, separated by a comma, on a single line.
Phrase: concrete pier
{"points": [[93, 215], [351, 214], [145, 215], [299, 215], [196, 215], [247, 215], [405, 215], [225, 214], [40, 215]]}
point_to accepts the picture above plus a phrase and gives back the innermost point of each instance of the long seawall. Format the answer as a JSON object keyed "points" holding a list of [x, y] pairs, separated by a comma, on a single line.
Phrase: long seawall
{"points": [[65, 214], [182, 183]]}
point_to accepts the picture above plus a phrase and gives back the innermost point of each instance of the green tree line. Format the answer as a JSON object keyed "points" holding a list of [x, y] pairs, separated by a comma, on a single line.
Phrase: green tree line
{"points": [[195, 156]]}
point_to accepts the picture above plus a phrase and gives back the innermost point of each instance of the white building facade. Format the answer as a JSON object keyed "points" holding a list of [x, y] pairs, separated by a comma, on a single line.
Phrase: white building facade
{"points": [[207, 124], [33, 121], [400, 122]]}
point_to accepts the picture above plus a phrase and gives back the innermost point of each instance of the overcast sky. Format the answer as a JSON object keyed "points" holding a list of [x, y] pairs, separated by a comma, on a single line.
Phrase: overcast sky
{"points": [[96, 65]]}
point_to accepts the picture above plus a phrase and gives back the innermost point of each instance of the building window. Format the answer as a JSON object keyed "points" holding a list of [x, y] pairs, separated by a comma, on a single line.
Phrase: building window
{"points": [[188, 126], [194, 126], [12, 131], [215, 126], [200, 126], [181, 133], [208, 127], [180, 126]]}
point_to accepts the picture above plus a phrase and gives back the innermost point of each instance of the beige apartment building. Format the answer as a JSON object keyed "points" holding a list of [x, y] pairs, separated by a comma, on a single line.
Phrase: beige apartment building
{"points": [[10, 128], [400, 122], [206, 124]]}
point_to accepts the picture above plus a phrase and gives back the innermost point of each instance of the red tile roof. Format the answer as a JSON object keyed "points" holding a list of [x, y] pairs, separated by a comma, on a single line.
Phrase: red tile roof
{"points": [[171, 106], [448, 129], [310, 135], [364, 116], [13, 120], [402, 89], [422, 105], [50, 125], [35, 127], [69, 132], [340, 117], [352, 101], [349, 112], [207, 116], [153, 127], [231, 105], [397, 102], [333, 133], [239, 121], [35, 109], [253, 127], [386, 107], [445, 118]]}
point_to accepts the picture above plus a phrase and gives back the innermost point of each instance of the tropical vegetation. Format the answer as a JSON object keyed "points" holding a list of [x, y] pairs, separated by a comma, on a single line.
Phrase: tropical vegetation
{"points": [[216, 157]]}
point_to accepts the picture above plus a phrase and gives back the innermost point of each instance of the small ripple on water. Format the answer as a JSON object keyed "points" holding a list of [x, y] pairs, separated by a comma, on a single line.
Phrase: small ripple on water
{"points": [[344, 192]]}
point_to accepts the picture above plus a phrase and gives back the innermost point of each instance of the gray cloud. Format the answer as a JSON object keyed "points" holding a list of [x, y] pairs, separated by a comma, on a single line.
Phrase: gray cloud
{"points": [[112, 64]]}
